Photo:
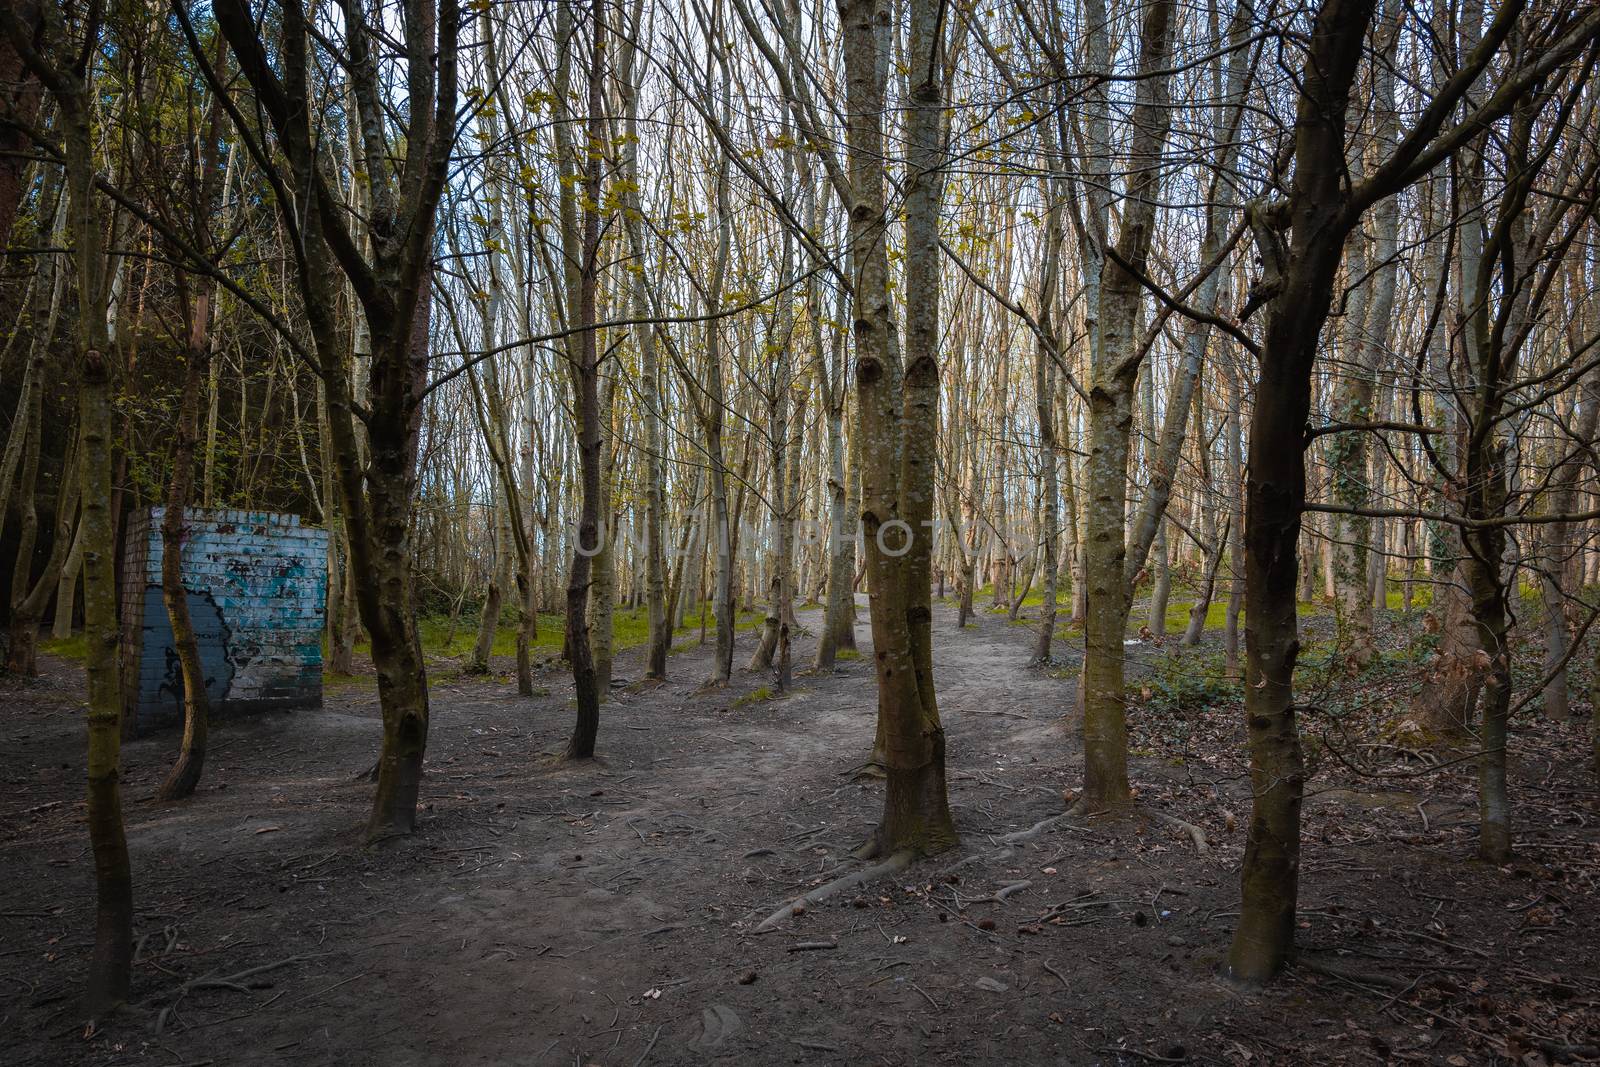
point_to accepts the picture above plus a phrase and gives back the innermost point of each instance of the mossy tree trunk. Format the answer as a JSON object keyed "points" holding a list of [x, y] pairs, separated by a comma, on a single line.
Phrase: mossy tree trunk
{"points": [[61, 62], [1117, 357], [897, 498]]}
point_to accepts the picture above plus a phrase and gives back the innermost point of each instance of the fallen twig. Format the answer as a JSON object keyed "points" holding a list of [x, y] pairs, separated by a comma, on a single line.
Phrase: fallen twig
{"points": [[650, 1045]]}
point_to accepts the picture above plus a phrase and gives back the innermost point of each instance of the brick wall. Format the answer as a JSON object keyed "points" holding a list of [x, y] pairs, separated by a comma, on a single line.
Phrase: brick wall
{"points": [[257, 585]]}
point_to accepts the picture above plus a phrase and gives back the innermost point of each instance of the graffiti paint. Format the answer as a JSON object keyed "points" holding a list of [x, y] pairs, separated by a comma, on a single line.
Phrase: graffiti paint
{"points": [[257, 589]]}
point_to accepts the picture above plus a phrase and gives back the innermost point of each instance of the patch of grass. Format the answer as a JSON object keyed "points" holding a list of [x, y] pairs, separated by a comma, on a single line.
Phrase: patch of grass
{"points": [[75, 647], [1216, 614], [1034, 599], [436, 628], [754, 697], [743, 619], [629, 628], [1395, 597]]}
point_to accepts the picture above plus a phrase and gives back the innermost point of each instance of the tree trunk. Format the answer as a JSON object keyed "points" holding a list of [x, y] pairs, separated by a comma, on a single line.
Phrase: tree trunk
{"points": [[583, 282], [1236, 551], [1299, 271], [1202, 604], [1044, 390], [1105, 732], [1161, 592], [112, 956], [185, 774], [1115, 373], [386, 600], [897, 505], [489, 614], [1486, 482], [603, 581], [66, 608]]}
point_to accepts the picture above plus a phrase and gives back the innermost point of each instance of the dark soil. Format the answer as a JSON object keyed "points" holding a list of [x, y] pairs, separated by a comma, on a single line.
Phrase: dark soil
{"points": [[603, 912]]}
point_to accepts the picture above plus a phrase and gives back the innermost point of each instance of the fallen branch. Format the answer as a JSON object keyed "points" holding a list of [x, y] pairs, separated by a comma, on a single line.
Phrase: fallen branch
{"points": [[897, 862]]}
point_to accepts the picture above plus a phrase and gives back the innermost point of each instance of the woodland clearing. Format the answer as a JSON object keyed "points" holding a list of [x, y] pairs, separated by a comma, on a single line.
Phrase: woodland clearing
{"points": [[603, 912]]}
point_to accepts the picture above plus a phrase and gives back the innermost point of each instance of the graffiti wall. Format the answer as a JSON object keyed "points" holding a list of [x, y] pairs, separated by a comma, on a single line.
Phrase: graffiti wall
{"points": [[257, 585]]}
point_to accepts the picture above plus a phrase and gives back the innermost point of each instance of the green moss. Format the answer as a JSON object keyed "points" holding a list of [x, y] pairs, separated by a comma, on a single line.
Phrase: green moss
{"points": [[847, 653], [75, 647]]}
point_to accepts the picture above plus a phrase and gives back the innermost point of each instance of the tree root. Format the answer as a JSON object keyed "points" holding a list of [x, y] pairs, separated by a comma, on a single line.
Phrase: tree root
{"points": [[1005, 851], [869, 771], [998, 855], [1194, 833], [899, 861], [231, 981], [999, 895], [1354, 975], [1014, 887], [1037, 828]]}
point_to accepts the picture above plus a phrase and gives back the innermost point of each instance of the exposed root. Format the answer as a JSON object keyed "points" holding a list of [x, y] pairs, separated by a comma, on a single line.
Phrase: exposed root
{"points": [[1005, 851], [1038, 828], [1014, 887], [977, 857], [1354, 975], [870, 849], [869, 771], [232, 982], [899, 861], [1195, 834], [999, 895]]}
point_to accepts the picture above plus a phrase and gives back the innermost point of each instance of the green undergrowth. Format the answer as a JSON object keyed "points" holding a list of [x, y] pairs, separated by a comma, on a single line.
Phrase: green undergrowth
{"points": [[629, 628], [1181, 597], [1395, 596], [75, 647]]}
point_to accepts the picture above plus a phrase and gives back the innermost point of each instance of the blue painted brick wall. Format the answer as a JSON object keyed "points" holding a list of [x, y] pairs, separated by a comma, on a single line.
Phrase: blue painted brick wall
{"points": [[257, 585]]}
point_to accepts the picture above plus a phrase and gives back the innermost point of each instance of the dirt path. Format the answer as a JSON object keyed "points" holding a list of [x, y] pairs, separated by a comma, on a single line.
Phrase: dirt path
{"points": [[603, 913]]}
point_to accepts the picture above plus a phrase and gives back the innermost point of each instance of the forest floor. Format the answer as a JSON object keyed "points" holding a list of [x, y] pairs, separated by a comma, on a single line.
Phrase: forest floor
{"points": [[605, 912]]}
